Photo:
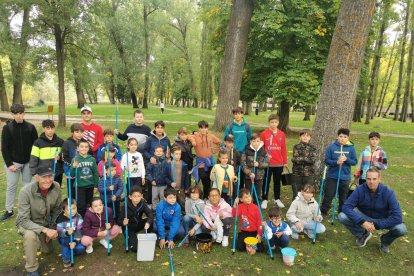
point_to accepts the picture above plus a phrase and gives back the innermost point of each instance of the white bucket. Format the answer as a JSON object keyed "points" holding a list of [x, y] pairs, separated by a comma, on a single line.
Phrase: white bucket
{"points": [[146, 247]]}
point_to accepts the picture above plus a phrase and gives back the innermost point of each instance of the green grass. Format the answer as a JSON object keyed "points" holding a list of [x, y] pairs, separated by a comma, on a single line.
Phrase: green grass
{"points": [[335, 252]]}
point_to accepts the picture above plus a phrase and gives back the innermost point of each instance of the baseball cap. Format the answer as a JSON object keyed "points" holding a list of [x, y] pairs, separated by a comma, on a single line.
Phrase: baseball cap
{"points": [[86, 108], [42, 171]]}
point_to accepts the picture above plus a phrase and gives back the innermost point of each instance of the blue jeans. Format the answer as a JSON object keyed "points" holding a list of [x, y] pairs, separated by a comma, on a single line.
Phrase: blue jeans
{"points": [[179, 235], [282, 242], [309, 228], [189, 223], [357, 230], [78, 250]]}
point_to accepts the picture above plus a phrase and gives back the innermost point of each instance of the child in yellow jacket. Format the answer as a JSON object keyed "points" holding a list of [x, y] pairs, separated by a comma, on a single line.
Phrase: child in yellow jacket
{"points": [[223, 175]]}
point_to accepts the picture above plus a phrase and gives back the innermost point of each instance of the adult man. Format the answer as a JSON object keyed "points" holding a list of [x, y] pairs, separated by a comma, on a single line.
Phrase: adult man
{"points": [[39, 205], [17, 139], [93, 132], [373, 206]]}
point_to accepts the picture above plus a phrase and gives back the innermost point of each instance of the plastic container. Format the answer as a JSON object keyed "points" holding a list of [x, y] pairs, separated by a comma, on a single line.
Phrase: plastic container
{"points": [[204, 242], [146, 247], [251, 245], [289, 255]]}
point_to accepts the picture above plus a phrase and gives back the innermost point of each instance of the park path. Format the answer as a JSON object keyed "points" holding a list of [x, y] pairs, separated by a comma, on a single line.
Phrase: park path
{"points": [[77, 118]]}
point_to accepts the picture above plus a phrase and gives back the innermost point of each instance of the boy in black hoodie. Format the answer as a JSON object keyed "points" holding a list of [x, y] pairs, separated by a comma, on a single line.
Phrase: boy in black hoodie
{"points": [[136, 207], [254, 161], [70, 146], [46, 151]]}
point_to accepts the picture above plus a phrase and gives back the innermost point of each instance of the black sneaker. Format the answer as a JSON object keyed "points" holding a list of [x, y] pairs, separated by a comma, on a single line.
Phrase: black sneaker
{"points": [[362, 241], [6, 215], [66, 263], [384, 247]]}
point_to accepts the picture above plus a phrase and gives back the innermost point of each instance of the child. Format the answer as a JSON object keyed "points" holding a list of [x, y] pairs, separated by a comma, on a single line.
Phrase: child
{"points": [[218, 217], [372, 156], [223, 176], [134, 165], [204, 154], [92, 131], [193, 205], [109, 141], [95, 226], [254, 169], [114, 188], [303, 214], [159, 176], [88, 177], [249, 219], [339, 156], [46, 151], [64, 231], [240, 130], [179, 175], [157, 138], [186, 143], [275, 145], [112, 157], [137, 130], [136, 208], [168, 216], [70, 146], [235, 161], [303, 159], [278, 229]]}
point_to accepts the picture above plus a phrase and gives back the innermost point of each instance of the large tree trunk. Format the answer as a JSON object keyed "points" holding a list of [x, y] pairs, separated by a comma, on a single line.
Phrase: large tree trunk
{"points": [[404, 109], [284, 112], [18, 61], [308, 110], [372, 91], [80, 96], [147, 58], [342, 72], [3, 95], [234, 58], [400, 74], [60, 64], [358, 110]]}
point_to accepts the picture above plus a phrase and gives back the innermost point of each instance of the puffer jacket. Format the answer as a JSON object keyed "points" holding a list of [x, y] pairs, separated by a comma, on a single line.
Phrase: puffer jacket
{"points": [[303, 159], [301, 210], [159, 172], [154, 141], [44, 152], [247, 161]]}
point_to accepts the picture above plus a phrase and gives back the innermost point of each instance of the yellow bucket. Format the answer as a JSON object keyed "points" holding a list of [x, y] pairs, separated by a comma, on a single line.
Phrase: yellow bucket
{"points": [[251, 245]]}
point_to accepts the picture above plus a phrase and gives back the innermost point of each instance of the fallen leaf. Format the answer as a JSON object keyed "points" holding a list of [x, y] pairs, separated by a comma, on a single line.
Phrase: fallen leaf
{"points": [[118, 272], [345, 258], [300, 254], [39, 253], [404, 213], [335, 231], [165, 264], [44, 274], [411, 192], [157, 255], [81, 267], [195, 257], [287, 271], [258, 269]]}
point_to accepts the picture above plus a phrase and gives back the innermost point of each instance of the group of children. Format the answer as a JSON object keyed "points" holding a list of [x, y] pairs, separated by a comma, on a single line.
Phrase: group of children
{"points": [[156, 178]]}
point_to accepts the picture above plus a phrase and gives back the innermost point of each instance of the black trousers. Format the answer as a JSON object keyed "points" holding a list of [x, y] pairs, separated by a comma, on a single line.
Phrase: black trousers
{"points": [[133, 230], [85, 196], [298, 182], [276, 172], [258, 188], [241, 246], [329, 193], [205, 179]]}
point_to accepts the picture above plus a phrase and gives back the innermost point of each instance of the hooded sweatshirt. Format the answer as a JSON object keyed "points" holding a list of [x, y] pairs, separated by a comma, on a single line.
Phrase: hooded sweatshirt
{"points": [[205, 146], [135, 214], [249, 217], [275, 145], [331, 157], [63, 224], [247, 161], [168, 215], [241, 133], [118, 188], [371, 158], [154, 141], [94, 222], [212, 212], [302, 210], [87, 171], [141, 133], [186, 151], [44, 152]]}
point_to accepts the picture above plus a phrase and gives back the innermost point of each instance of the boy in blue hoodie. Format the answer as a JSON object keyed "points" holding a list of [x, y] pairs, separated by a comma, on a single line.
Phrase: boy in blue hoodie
{"points": [[168, 216], [339, 156], [157, 138], [240, 130], [109, 141], [158, 175], [114, 188]]}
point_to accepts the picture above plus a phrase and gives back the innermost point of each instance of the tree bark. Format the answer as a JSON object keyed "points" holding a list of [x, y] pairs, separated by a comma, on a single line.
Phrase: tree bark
{"points": [[3, 95], [147, 58], [60, 64], [358, 110], [284, 112], [80, 96], [404, 110], [234, 58], [308, 110], [342, 72], [400, 74]]}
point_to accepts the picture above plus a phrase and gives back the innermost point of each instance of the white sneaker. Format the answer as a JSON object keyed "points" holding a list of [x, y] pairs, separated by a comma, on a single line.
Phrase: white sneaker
{"points": [[295, 235], [264, 204], [105, 243], [279, 203], [89, 249], [214, 235], [225, 241]]}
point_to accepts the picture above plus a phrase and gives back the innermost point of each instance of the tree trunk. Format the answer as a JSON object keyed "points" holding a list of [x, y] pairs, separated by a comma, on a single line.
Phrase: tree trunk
{"points": [[412, 98], [400, 74], [342, 72], [60, 64], [80, 96], [404, 109], [234, 58], [284, 112], [204, 68], [358, 110], [389, 105], [308, 110], [147, 57], [249, 108], [3, 95], [372, 91]]}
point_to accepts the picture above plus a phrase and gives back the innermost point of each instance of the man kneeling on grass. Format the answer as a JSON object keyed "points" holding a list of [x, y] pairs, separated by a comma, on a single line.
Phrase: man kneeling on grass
{"points": [[373, 206]]}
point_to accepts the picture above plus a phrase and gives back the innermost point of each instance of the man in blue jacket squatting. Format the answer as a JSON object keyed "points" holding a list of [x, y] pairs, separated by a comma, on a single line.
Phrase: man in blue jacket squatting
{"points": [[373, 206]]}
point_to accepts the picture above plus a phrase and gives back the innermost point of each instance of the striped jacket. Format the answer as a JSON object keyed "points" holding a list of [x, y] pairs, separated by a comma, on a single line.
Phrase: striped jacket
{"points": [[44, 152], [371, 158]]}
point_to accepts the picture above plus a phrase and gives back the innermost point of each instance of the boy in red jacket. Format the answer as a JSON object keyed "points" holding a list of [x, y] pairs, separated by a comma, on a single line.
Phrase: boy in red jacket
{"points": [[275, 145], [250, 220]]}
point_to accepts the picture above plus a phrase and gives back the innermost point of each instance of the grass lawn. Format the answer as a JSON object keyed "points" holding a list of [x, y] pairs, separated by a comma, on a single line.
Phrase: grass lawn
{"points": [[335, 252]]}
